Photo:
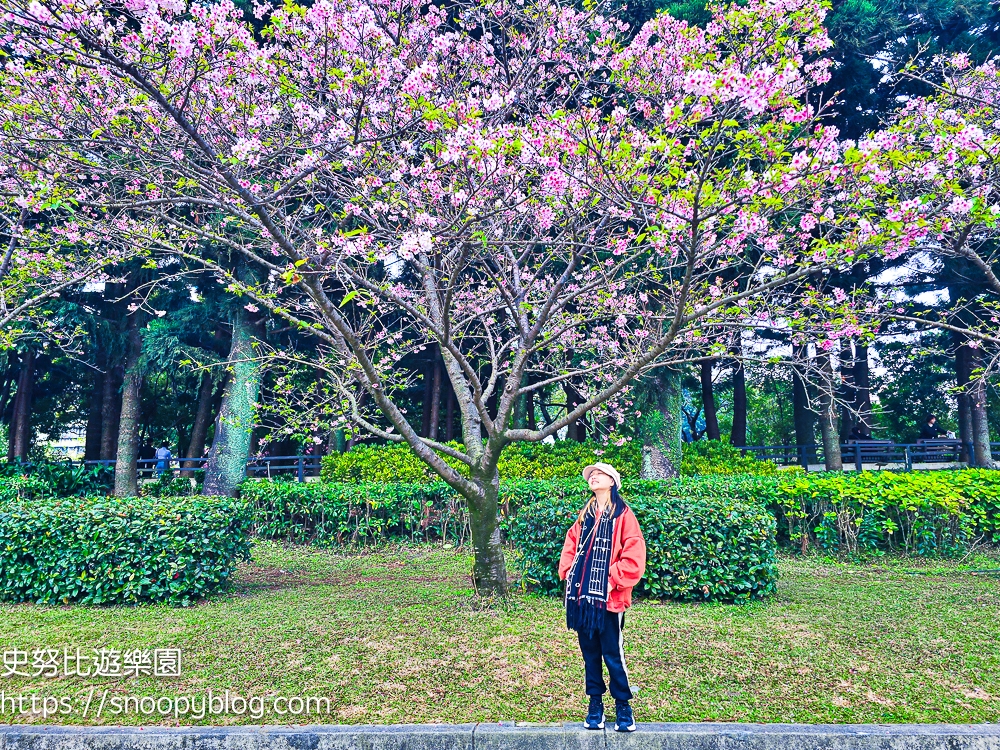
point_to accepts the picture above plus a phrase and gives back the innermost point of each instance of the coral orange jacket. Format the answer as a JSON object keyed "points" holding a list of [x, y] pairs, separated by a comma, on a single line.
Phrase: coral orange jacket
{"points": [[628, 558]]}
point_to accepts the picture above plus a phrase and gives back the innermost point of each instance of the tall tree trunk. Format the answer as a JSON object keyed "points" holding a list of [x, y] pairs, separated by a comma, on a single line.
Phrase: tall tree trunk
{"points": [[435, 416], [202, 419], [126, 482], [19, 435], [425, 420], [9, 377], [708, 401], [578, 429], [111, 411], [847, 406], [92, 440], [237, 416], [519, 418], [660, 426], [828, 415], [738, 435], [449, 416], [862, 386], [963, 372], [802, 416], [980, 417]]}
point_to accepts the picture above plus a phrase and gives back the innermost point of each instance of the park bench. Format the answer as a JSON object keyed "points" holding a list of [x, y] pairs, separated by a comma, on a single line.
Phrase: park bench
{"points": [[879, 452], [937, 450]]}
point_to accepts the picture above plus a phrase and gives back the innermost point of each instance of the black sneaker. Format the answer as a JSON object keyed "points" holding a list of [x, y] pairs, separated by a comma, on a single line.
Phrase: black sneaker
{"points": [[595, 714], [624, 721]]}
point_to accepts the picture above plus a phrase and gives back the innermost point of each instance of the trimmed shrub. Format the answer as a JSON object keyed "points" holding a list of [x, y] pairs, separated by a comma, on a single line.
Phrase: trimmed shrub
{"points": [[719, 457], [333, 514], [562, 459], [111, 550], [697, 548], [23, 488], [924, 513], [62, 478], [919, 513]]}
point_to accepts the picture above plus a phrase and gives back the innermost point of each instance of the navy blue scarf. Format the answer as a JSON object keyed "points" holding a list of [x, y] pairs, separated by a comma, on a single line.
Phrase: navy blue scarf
{"points": [[587, 582]]}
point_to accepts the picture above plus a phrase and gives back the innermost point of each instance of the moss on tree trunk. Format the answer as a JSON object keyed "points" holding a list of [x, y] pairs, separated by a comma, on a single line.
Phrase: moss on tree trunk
{"points": [[126, 483], [237, 417], [660, 425]]}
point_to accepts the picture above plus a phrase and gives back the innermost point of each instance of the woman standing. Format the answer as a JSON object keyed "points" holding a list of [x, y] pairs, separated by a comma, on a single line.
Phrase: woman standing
{"points": [[603, 558]]}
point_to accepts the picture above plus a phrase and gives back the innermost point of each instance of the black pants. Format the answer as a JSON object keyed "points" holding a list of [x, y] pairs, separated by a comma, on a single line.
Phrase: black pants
{"points": [[610, 646]]}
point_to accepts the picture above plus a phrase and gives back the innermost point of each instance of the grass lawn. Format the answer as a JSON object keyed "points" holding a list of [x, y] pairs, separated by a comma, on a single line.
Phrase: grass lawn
{"points": [[392, 637]]}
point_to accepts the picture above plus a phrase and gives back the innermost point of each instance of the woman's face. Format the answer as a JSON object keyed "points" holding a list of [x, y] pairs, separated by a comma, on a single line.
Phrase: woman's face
{"points": [[598, 480]]}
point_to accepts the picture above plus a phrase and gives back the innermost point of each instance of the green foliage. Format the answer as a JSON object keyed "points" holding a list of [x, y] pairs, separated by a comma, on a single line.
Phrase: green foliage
{"points": [[62, 478], [698, 547], [924, 513], [22, 487], [719, 457], [333, 514], [111, 550], [564, 458], [169, 484]]}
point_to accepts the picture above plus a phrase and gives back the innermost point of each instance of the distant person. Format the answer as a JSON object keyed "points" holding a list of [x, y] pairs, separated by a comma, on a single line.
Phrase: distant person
{"points": [[163, 457], [603, 558], [930, 430], [860, 431]]}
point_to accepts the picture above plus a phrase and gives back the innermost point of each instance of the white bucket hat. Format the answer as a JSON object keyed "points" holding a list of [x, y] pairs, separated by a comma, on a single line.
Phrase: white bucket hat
{"points": [[607, 469]]}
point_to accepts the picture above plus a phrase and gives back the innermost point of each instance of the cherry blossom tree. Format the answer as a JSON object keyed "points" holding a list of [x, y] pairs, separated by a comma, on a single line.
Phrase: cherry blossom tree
{"points": [[936, 169], [505, 180]]}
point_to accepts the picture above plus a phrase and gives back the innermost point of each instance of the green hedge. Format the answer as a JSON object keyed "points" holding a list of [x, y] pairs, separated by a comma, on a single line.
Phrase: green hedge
{"points": [[564, 458], [333, 514], [110, 550], [919, 512], [719, 457], [697, 548]]}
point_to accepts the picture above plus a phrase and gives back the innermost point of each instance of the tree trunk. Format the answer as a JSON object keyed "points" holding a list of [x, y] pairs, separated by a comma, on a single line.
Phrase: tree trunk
{"points": [[847, 416], [660, 426], [237, 416], [19, 435], [802, 415], [578, 429], [828, 416], [449, 416], [202, 418], [111, 409], [738, 435], [862, 386], [489, 573], [708, 401], [425, 421], [92, 444], [9, 377], [963, 372], [980, 418], [126, 482], [432, 432]]}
